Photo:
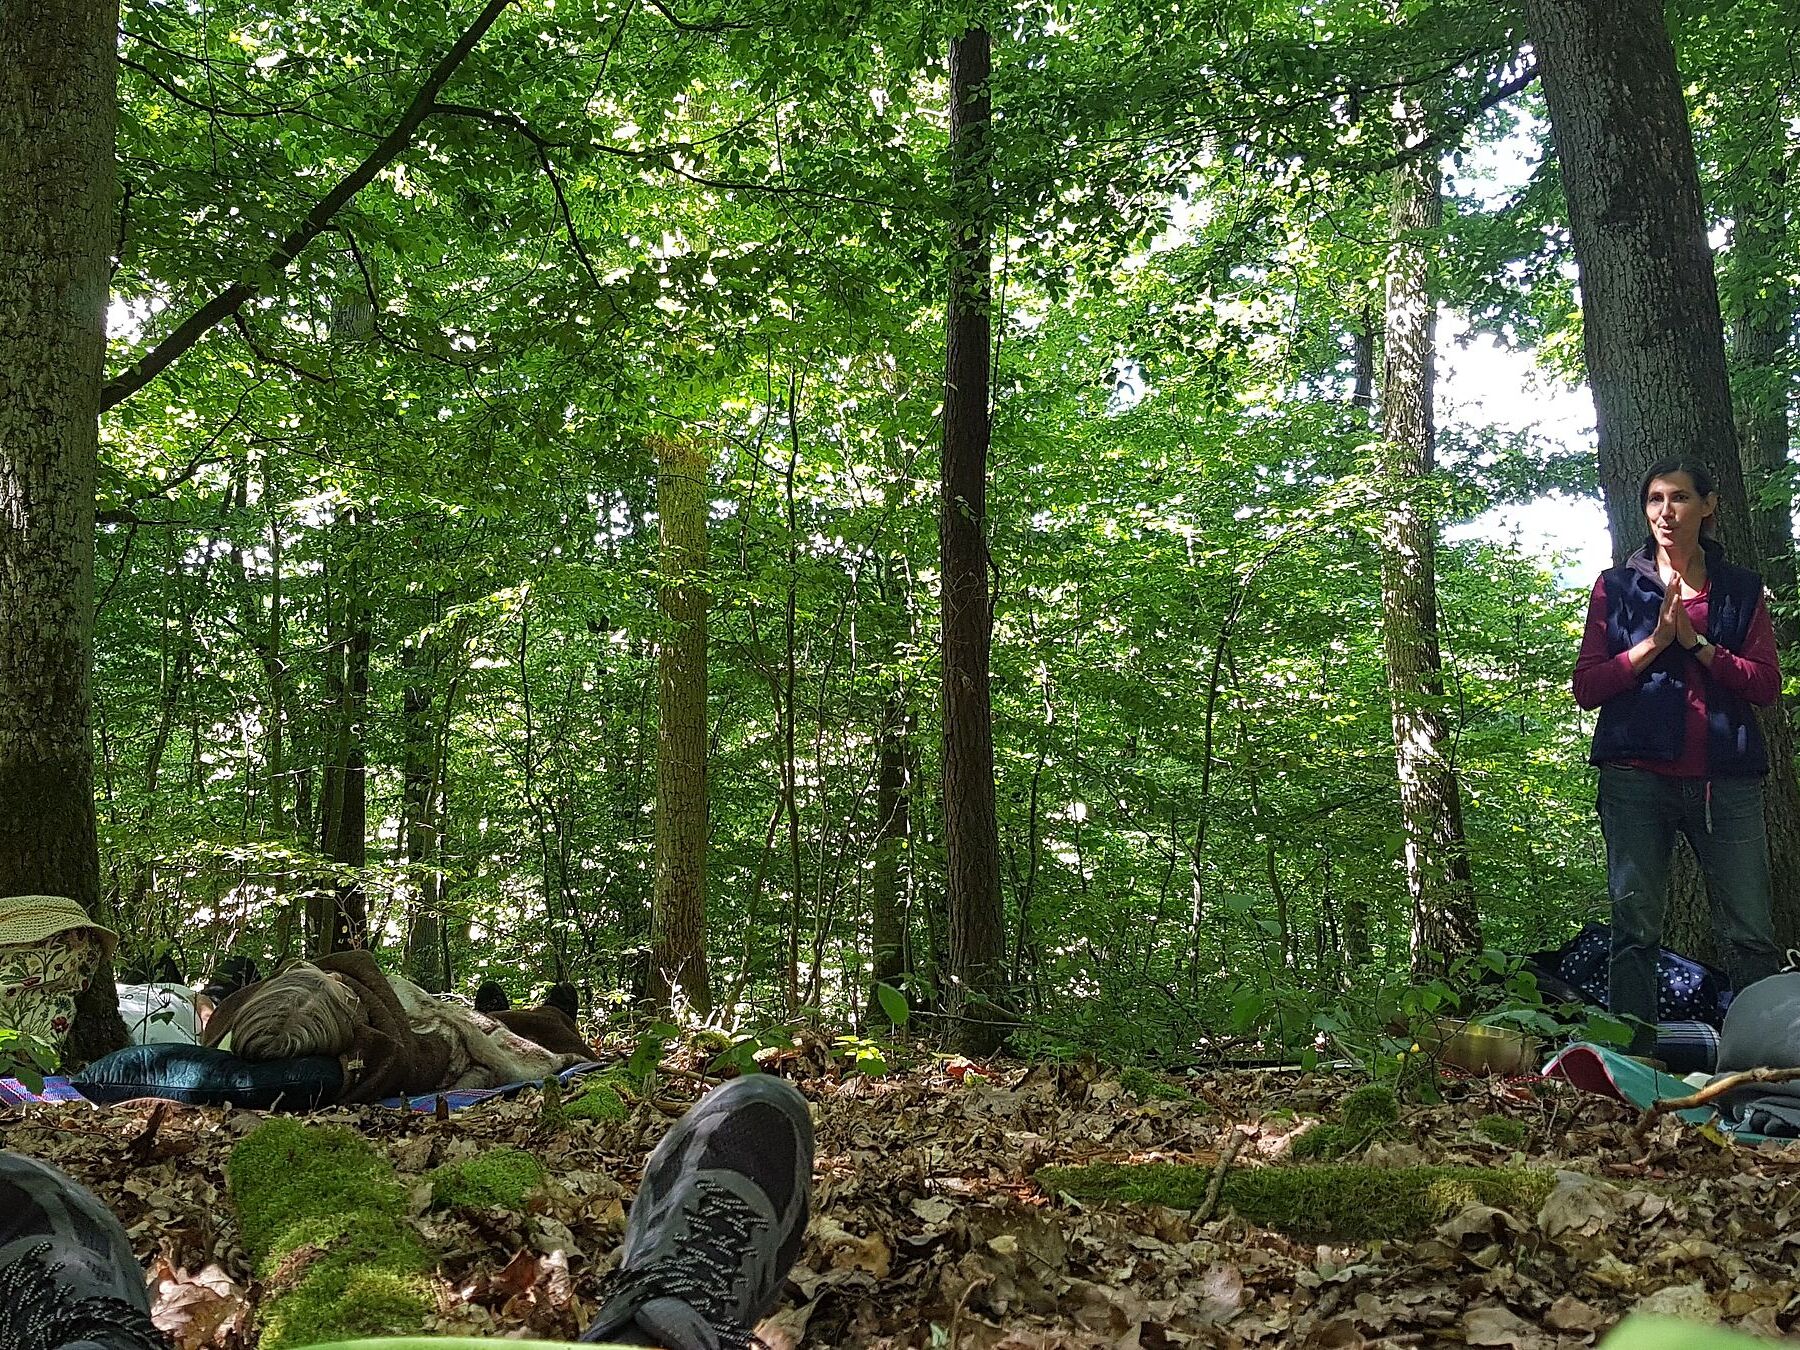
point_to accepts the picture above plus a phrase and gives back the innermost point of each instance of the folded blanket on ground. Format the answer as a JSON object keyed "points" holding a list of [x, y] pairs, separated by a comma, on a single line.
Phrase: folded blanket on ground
{"points": [[1608, 1073], [550, 1027], [1762, 1030]]}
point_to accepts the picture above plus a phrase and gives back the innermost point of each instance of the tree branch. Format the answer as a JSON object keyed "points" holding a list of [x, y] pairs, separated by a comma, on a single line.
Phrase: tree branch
{"points": [[513, 122], [165, 353]]}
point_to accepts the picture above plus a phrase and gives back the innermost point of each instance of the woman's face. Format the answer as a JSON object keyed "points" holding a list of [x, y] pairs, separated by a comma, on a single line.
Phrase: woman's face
{"points": [[1675, 511]]}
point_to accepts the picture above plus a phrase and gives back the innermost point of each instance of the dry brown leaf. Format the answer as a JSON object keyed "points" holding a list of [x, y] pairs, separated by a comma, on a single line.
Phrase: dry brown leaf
{"points": [[1497, 1324]]}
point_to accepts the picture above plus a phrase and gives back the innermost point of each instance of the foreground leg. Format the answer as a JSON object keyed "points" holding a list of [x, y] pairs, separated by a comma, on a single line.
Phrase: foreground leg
{"points": [[1639, 814], [1731, 841], [68, 1277], [716, 1224]]}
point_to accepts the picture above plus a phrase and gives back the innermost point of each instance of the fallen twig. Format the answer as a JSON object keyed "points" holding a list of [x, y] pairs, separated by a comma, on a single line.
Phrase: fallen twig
{"points": [[1711, 1092], [1210, 1201]]}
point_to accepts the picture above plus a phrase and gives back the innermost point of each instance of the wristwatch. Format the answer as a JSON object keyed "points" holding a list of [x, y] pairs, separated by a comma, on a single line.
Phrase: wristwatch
{"points": [[1700, 645]]}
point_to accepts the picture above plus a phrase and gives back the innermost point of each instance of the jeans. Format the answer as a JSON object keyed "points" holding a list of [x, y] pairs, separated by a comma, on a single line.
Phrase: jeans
{"points": [[1640, 813]]}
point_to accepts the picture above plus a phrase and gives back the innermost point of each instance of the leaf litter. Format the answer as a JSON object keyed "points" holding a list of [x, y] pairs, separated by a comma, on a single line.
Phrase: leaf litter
{"points": [[928, 1230]]}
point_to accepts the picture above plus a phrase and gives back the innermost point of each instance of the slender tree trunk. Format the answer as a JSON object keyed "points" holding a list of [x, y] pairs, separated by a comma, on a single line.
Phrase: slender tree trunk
{"points": [[341, 919], [1763, 386], [418, 826], [58, 111], [1652, 331], [893, 829], [1762, 322], [971, 834], [678, 906], [1444, 921]]}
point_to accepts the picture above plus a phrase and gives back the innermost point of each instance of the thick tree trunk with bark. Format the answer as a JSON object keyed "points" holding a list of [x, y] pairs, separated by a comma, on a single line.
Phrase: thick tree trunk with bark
{"points": [[678, 906], [971, 834], [1444, 921], [1652, 331], [58, 110]]}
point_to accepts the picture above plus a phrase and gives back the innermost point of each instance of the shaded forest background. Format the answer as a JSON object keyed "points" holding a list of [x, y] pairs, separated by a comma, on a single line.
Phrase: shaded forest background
{"points": [[620, 387]]}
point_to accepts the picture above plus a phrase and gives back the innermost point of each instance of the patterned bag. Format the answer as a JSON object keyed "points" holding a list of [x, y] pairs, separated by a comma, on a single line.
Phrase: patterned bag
{"points": [[1686, 989]]}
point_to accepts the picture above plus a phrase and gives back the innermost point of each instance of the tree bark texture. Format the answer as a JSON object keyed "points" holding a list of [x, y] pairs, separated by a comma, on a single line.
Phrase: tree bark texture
{"points": [[971, 834], [1652, 332], [678, 906], [1444, 920], [58, 114]]}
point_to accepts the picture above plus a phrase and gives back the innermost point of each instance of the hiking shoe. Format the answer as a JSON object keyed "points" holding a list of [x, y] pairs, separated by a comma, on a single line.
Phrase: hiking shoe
{"points": [[67, 1273], [716, 1224]]}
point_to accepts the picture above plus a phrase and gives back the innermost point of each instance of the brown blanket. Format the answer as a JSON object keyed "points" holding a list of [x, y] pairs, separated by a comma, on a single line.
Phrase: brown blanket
{"points": [[550, 1027]]}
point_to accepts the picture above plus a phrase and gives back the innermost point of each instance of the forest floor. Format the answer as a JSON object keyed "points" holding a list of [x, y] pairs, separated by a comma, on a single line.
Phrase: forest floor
{"points": [[928, 1230]]}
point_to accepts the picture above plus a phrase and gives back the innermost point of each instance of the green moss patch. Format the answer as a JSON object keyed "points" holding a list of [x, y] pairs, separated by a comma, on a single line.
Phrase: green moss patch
{"points": [[501, 1178], [1151, 1087], [599, 1100], [1502, 1130], [322, 1215], [1371, 1112], [1341, 1202]]}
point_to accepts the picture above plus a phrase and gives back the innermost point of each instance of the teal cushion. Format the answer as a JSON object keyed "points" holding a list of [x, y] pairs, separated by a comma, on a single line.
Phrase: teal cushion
{"points": [[202, 1076]]}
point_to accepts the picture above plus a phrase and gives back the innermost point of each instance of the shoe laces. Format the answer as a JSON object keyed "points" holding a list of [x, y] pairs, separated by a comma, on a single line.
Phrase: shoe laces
{"points": [[704, 1271], [39, 1315]]}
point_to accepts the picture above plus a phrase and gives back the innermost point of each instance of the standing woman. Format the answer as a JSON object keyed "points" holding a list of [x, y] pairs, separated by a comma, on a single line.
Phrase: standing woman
{"points": [[1677, 648]]}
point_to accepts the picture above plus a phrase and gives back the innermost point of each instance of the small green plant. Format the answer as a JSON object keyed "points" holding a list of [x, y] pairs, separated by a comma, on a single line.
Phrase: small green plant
{"points": [[640, 1069], [26, 1058], [867, 1056]]}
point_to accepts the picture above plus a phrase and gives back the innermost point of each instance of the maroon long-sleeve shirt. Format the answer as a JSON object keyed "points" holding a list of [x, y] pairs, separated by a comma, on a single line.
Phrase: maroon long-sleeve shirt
{"points": [[1751, 673]]}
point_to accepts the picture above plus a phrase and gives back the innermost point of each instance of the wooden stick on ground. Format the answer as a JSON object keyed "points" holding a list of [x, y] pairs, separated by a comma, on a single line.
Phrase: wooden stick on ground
{"points": [[1210, 1201], [1711, 1092]]}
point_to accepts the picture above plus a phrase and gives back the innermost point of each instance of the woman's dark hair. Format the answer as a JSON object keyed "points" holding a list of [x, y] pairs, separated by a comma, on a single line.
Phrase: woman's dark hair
{"points": [[1699, 473]]}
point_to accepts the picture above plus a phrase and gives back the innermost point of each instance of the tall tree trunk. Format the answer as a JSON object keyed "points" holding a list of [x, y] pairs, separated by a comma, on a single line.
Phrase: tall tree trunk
{"points": [[1652, 331], [893, 829], [58, 111], [678, 905], [341, 919], [1762, 322], [1444, 921], [971, 833], [418, 825], [1763, 385]]}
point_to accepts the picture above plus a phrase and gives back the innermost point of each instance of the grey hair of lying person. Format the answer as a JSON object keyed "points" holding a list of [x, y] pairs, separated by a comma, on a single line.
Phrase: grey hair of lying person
{"points": [[301, 1011]]}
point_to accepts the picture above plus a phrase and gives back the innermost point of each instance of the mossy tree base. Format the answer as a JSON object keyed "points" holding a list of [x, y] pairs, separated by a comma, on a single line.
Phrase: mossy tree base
{"points": [[1340, 1202]]}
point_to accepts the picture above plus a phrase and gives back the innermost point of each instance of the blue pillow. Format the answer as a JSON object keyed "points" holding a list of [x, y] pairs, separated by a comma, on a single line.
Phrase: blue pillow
{"points": [[202, 1076]]}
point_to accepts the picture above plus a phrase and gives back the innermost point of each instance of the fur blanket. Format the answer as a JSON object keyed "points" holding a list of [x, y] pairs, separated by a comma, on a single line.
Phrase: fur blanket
{"points": [[393, 1038]]}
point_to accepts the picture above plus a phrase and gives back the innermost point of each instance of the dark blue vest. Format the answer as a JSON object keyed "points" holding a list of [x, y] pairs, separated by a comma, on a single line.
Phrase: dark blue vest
{"points": [[1650, 721]]}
